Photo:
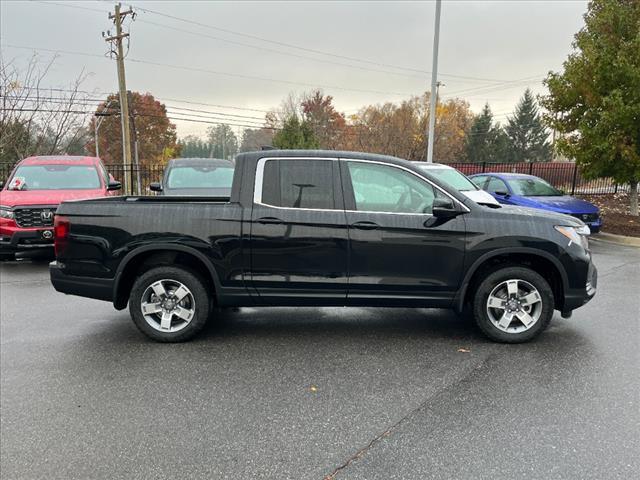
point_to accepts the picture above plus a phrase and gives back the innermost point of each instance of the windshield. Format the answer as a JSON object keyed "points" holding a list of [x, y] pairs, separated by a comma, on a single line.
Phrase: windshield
{"points": [[532, 187], [452, 177], [200, 177], [55, 177]]}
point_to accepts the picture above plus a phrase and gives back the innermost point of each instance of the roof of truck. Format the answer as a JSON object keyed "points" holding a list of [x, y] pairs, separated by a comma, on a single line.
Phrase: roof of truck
{"points": [[325, 153]]}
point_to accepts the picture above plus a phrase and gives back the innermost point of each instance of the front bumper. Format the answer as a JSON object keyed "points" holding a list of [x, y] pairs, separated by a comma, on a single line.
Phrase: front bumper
{"points": [[594, 224], [576, 298], [91, 287], [17, 239]]}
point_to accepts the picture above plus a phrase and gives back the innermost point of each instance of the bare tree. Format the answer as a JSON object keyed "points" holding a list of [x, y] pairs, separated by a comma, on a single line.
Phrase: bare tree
{"points": [[35, 120]]}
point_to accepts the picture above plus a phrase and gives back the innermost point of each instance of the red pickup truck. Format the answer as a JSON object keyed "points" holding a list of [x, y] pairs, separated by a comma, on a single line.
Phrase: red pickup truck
{"points": [[32, 193]]}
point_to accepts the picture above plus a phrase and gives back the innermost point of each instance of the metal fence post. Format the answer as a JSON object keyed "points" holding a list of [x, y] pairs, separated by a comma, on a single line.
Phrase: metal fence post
{"points": [[575, 176], [484, 167], [530, 168]]}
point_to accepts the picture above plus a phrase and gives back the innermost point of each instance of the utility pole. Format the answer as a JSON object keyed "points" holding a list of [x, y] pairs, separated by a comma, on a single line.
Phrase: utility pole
{"points": [[117, 18], [135, 145], [434, 86]]}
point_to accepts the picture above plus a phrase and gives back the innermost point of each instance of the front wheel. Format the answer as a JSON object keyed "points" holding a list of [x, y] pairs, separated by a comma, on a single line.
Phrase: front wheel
{"points": [[513, 305], [169, 304]]}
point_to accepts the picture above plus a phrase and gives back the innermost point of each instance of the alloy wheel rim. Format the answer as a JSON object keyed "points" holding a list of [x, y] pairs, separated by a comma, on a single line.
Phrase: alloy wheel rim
{"points": [[167, 306], [514, 306]]}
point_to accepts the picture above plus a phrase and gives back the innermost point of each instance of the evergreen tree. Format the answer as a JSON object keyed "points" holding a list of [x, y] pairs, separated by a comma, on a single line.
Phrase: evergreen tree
{"points": [[192, 146], [486, 142], [295, 134], [528, 137], [223, 142]]}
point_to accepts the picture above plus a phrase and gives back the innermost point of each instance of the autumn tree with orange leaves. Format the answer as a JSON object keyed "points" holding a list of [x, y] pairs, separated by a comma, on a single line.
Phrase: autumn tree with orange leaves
{"points": [[400, 129], [156, 135], [327, 124]]}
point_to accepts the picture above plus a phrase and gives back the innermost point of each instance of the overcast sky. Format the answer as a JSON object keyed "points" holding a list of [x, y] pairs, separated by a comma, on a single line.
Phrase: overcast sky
{"points": [[251, 46]]}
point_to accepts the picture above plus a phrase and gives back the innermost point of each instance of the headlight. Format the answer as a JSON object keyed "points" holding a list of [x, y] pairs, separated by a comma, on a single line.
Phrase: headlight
{"points": [[575, 234], [6, 212]]}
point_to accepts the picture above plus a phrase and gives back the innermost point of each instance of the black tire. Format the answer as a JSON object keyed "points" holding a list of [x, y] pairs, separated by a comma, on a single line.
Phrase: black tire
{"points": [[197, 290], [492, 281]]}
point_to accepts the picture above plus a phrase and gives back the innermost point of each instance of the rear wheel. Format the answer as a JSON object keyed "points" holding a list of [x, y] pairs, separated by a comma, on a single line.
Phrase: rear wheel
{"points": [[513, 305], [169, 304]]}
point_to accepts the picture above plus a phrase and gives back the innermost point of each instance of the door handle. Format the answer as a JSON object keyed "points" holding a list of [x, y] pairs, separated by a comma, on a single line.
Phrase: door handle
{"points": [[365, 225], [270, 220]]}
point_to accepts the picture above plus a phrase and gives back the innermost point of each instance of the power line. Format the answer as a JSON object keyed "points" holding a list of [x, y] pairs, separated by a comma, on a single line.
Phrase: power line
{"points": [[265, 49], [492, 88], [137, 110], [215, 72], [189, 102], [97, 101], [311, 50], [422, 73], [69, 5], [170, 117]]}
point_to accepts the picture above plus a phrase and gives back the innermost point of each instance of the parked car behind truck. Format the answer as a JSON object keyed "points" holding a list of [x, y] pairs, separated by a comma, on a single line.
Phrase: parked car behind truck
{"points": [[32, 193], [459, 181], [534, 192], [196, 176], [320, 228]]}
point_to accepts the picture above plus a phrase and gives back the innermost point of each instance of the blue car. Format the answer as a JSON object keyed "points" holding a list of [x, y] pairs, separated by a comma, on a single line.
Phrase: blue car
{"points": [[534, 192]]}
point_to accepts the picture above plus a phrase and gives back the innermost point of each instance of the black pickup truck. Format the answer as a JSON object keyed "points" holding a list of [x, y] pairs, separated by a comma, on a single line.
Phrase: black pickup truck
{"points": [[319, 228]]}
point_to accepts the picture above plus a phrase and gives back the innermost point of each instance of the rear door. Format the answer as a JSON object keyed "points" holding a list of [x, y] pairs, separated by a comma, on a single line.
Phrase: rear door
{"points": [[399, 252], [298, 233]]}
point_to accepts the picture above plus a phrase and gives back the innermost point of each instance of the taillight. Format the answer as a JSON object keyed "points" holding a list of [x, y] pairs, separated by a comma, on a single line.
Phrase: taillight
{"points": [[61, 227]]}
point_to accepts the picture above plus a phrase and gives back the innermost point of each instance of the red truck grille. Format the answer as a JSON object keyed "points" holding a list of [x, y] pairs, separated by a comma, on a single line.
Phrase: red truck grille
{"points": [[34, 217]]}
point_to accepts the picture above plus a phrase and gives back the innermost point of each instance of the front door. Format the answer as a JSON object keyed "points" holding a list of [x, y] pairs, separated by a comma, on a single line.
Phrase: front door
{"points": [[299, 238], [399, 252]]}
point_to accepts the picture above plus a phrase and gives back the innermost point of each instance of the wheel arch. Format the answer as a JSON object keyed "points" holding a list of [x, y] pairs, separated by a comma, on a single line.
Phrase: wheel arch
{"points": [[539, 261], [144, 258]]}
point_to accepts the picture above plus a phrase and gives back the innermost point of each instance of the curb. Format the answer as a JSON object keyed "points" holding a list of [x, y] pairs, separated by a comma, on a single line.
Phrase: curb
{"points": [[615, 239]]}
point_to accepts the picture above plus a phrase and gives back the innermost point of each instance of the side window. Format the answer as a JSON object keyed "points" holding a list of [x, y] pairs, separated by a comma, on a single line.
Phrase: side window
{"points": [[383, 188], [480, 181], [298, 184], [496, 185]]}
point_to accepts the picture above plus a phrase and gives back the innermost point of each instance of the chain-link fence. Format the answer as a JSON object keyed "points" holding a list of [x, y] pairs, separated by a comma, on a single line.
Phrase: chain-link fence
{"points": [[565, 176]]}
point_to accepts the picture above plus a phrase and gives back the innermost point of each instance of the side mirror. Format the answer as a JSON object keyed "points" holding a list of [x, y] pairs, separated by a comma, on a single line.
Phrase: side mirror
{"points": [[114, 185], [155, 187], [501, 193], [444, 208]]}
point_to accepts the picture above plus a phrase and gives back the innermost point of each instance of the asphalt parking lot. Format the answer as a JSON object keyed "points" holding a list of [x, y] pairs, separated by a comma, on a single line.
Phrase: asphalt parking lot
{"points": [[314, 393]]}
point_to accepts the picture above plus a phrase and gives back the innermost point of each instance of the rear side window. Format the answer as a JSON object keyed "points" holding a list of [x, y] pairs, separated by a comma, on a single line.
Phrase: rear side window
{"points": [[298, 184]]}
